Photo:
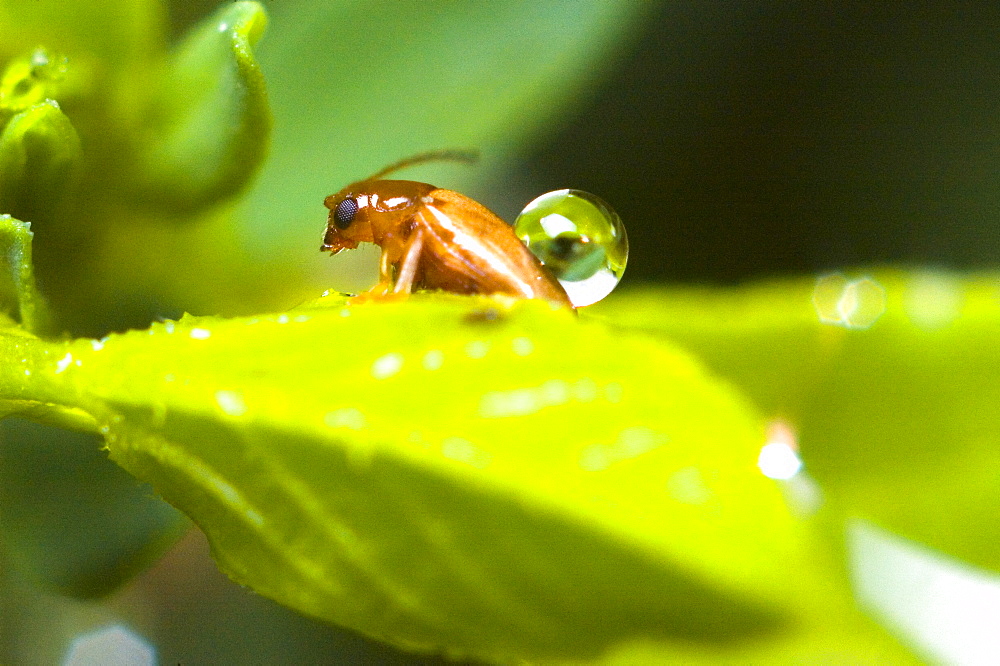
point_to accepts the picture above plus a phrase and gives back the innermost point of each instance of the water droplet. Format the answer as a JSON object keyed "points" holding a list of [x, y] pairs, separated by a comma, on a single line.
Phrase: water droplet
{"points": [[348, 417], [462, 450], [477, 349], [433, 360], [386, 366], [579, 238], [97, 345], [283, 319], [687, 485], [231, 402], [200, 333], [555, 392], [503, 404], [64, 362], [631, 443], [528, 400], [522, 346]]}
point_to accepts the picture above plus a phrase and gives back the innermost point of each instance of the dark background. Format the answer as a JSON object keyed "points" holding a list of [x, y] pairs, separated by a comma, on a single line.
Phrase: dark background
{"points": [[747, 139]]}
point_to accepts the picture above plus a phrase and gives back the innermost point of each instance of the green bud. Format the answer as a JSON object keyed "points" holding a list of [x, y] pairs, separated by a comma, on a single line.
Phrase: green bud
{"points": [[18, 278], [211, 117], [39, 159]]}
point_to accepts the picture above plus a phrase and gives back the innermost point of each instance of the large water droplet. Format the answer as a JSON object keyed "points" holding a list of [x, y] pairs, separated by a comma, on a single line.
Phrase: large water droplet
{"points": [[579, 238]]}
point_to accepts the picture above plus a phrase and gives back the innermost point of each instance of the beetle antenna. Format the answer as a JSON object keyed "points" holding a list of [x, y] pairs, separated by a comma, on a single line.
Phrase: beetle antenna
{"points": [[460, 155]]}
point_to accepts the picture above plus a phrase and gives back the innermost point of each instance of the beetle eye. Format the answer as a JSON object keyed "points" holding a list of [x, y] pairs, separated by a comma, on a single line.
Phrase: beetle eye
{"points": [[345, 212]]}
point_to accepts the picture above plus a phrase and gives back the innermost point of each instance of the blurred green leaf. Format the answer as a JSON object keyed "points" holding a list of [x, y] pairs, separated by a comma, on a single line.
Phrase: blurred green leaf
{"points": [[898, 421], [211, 123], [39, 160], [511, 484], [72, 521]]}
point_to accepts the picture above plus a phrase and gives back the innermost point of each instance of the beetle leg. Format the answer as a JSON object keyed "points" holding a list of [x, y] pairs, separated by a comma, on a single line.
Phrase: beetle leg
{"points": [[408, 267], [384, 285]]}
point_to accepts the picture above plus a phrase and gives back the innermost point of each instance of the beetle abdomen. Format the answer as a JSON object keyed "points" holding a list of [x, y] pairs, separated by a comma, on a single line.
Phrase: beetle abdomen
{"points": [[468, 249]]}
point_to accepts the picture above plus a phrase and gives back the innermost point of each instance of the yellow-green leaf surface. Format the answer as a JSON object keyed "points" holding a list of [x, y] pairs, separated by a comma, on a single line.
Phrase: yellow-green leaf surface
{"points": [[896, 411], [443, 473]]}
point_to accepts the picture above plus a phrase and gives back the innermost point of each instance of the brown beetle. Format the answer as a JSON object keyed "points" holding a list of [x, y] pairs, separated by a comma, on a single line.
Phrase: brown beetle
{"points": [[433, 238]]}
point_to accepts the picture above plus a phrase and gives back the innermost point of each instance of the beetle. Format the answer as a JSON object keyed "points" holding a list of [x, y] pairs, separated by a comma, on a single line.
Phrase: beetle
{"points": [[432, 238]]}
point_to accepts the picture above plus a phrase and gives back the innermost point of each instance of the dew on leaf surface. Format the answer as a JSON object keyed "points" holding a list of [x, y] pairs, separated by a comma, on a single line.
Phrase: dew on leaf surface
{"points": [[477, 349], [580, 239], [347, 417], [433, 359], [231, 402], [387, 366], [464, 451], [522, 346], [853, 304], [64, 362]]}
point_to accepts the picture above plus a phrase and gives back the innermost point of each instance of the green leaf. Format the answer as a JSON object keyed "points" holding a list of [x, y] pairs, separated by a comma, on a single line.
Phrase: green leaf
{"points": [[444, 473], [15, 244], [211, 121], [72, 521], [39, 161], [898, 420]]}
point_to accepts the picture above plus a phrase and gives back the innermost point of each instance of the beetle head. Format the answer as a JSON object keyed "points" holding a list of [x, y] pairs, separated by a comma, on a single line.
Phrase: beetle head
{"points": [[348, 222]]}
